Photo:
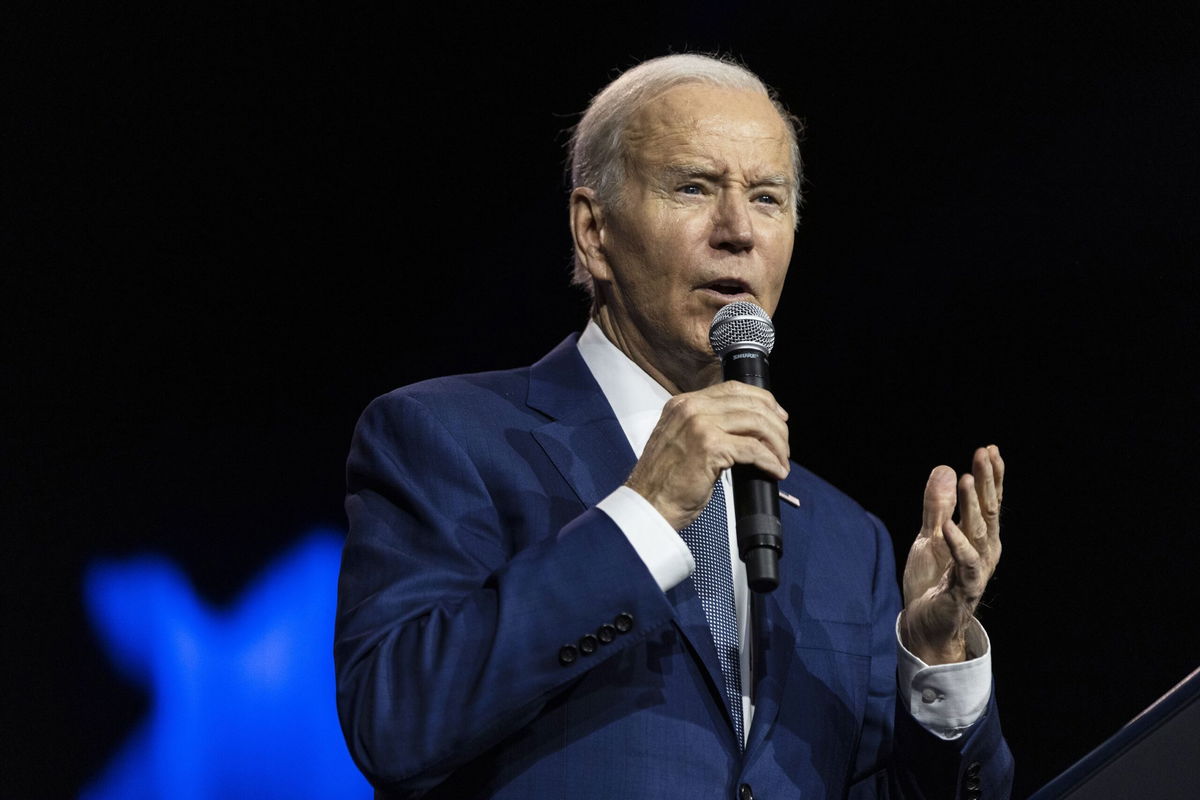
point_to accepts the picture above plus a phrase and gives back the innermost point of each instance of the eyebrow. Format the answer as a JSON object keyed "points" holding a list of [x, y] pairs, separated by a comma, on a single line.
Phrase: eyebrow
{"points": [[679, 171], [774, 180]]}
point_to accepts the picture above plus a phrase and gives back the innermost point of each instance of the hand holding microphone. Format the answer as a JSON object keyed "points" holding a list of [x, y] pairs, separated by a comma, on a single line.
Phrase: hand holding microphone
{"points": [[735, 424]]}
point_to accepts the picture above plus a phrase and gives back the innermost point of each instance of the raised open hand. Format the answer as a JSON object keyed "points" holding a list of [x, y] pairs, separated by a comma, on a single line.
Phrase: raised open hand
{"points": [[949, 564]]}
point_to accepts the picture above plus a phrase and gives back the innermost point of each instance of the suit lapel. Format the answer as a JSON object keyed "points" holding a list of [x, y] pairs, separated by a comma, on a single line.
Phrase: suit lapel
{"points": [[689, 617], [587, 446], [583, 440]]}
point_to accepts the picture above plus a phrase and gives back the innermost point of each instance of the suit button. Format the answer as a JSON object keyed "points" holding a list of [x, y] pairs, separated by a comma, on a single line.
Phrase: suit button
{"points": [[973, 769], [606, 633], [624, 622], [745, 792], [588, 644], [567, 654]]}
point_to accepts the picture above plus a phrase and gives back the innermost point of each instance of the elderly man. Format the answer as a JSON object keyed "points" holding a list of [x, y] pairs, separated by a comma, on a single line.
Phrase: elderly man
{"points": [[537, 596]]}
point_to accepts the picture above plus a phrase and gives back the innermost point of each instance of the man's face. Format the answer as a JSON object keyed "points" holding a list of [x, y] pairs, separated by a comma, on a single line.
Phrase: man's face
{"points": [[704, 218]]}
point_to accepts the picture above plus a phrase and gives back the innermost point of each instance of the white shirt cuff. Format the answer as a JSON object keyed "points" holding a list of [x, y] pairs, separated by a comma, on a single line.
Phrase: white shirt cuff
{"points": [[948, 698], [659, 546]]}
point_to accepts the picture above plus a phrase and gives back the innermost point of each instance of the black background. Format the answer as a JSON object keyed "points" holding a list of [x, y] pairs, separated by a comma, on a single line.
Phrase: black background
{"points": [[233, 227]]}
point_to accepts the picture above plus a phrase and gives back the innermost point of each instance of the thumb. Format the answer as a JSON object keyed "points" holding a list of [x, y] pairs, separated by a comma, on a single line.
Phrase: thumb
{"points": [[940, 498]]}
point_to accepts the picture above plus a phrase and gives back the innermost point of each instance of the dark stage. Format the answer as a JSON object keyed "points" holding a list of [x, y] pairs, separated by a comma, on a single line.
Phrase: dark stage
{"points": [[232, 228]]}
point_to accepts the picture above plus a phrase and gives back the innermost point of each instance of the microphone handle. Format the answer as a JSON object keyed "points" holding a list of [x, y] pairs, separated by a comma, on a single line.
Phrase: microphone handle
{"points": [[755, 493]]}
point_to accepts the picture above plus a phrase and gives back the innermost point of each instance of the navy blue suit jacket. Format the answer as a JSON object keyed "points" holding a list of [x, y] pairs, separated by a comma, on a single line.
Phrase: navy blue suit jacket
{"points": [[475, 554]]}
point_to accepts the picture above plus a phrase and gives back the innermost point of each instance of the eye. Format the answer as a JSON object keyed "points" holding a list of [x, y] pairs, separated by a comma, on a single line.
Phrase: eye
{"points": [[769, 199], [690, 188]]}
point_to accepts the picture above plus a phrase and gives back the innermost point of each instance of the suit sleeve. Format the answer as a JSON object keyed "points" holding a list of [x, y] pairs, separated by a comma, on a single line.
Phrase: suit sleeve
{"points": [[897, 756], [448, 635]]}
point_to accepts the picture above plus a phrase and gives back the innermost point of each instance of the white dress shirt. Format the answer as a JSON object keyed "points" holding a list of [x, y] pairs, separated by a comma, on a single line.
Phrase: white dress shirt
{"points": [[945, 698]]}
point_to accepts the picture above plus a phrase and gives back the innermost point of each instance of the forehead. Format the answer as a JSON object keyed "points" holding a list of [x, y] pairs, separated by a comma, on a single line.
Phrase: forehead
{"points": [[726, 128]]}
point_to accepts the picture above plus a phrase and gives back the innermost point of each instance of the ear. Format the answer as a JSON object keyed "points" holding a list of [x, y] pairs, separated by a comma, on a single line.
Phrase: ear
{"points": [[587, 229]]}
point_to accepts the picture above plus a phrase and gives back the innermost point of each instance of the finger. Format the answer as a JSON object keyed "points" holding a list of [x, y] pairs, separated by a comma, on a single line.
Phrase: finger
{"points": [[719, 430], [754, 452], [734, 391], [970, 518], [769, 430], [748, 421], [968, 575], [985, 489], [695, 417], [997, 471], [938, 549], [736, 413], [939, 500]]}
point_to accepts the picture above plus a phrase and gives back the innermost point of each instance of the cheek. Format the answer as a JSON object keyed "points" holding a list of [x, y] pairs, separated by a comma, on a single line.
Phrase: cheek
{"points": [[678, 231], [781, 257]]}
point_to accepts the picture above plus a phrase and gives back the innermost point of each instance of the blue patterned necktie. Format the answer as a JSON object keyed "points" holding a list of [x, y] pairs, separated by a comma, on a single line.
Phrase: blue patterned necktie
{"points": [[707, 537]]}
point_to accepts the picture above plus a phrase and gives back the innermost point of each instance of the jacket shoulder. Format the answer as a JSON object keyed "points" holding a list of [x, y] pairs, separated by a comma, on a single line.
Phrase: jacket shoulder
{"points": [[495, 396], [457, 394]]}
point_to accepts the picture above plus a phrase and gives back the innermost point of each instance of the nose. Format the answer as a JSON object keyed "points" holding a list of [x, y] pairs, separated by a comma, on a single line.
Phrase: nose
{"points": [[733, 227]]}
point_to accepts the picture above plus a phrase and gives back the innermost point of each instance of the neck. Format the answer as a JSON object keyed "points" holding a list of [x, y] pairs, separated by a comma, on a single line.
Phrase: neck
{"points": [[675, 370]]}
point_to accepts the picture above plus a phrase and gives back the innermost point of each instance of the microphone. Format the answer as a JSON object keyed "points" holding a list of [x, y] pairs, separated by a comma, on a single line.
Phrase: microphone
{"points": [[742, 336]]}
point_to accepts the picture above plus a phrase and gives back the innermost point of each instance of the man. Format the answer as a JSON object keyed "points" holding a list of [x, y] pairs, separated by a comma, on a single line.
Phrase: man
{"points": [[526, 607]]}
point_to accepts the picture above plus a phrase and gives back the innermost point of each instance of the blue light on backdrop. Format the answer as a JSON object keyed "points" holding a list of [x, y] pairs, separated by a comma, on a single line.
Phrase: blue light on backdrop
{"points": [[242, 700]]}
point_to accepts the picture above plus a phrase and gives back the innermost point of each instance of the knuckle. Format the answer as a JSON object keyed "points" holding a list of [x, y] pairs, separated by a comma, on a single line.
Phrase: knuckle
{"points": [[677, 404], [705, 438], [695, 427]]}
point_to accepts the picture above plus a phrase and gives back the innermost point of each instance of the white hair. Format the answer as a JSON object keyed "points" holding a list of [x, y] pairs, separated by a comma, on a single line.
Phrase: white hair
{"points": [[596, 152]]}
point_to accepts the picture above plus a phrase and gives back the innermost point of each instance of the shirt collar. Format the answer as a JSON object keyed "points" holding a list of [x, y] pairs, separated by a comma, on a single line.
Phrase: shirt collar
{"points": [[635, 397]]}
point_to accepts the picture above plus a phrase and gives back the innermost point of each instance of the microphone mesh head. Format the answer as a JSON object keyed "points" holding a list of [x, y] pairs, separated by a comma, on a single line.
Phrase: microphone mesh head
{"points": [[741, 325]]}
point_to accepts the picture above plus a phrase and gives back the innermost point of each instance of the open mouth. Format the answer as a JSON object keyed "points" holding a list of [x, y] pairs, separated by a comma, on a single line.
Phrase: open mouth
{"points": [[727, 286]]}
